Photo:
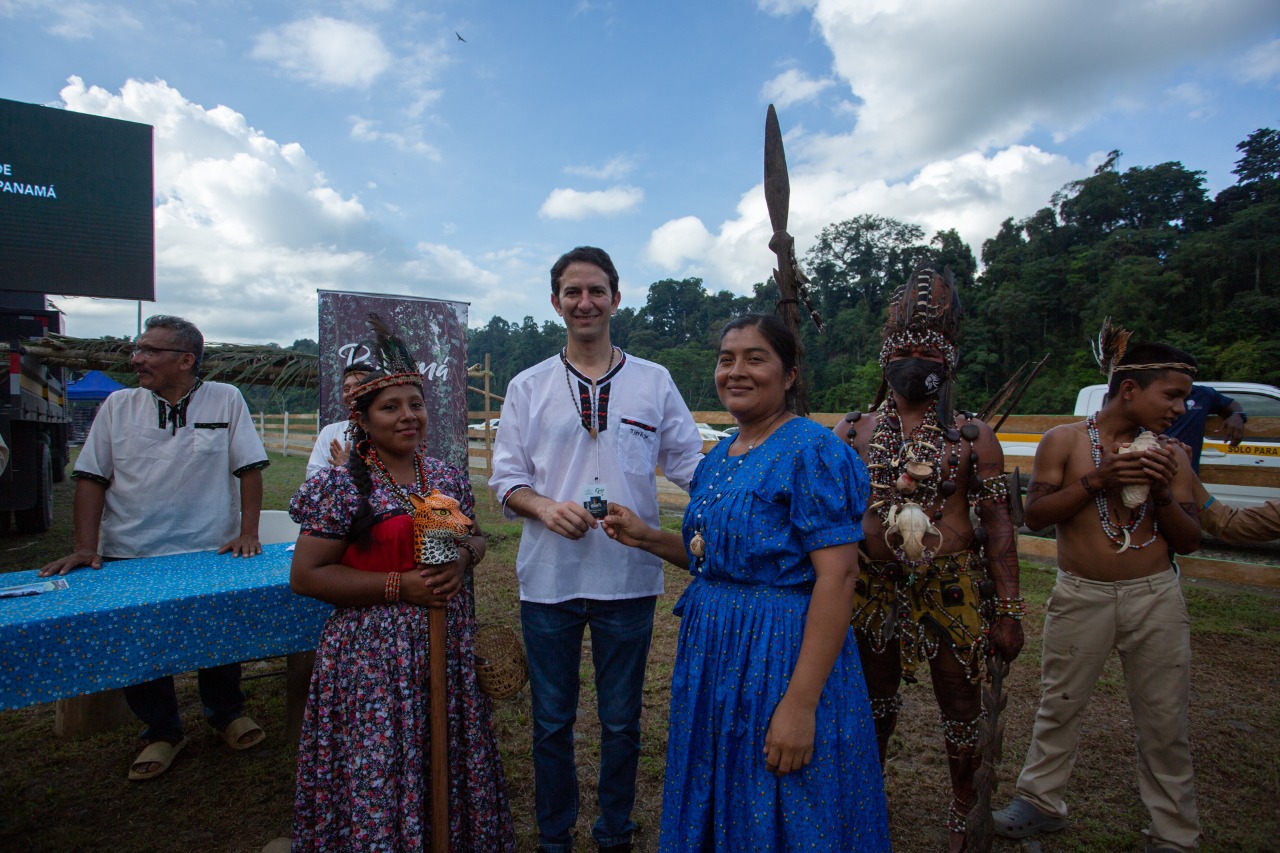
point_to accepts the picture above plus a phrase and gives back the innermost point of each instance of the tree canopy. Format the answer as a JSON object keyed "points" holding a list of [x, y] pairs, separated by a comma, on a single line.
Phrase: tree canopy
{"points": [[1145, 245]]}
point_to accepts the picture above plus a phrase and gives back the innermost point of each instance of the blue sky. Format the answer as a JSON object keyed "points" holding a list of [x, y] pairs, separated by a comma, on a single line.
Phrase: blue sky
{"points": [[361, 146]]}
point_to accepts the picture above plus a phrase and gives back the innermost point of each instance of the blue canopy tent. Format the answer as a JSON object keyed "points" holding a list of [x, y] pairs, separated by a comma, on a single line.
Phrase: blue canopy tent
{"points": [[93, 387], [85, 396]]}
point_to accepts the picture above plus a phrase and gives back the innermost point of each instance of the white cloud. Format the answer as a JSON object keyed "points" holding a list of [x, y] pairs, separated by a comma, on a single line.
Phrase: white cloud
{"points": [[366, 130], [326, 52], [678, 241], [617, 167], [1262, 64], [793, 86], [247, 228], [73, 20], [575, 204], [942, 97]]}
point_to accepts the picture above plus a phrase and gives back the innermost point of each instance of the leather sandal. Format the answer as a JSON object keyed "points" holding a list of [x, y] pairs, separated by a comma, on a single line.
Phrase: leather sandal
{"points": [[238, 728], [1020, 819], [159, 752]]}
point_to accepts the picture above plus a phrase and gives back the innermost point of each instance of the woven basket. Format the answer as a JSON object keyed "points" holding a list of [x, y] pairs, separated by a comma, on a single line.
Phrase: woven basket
{"points": [[501, 668]]}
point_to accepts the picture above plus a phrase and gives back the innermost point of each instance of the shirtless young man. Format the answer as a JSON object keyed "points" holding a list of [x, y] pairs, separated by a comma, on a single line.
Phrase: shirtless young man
{"points": [[1116, 589], [950, 597]]}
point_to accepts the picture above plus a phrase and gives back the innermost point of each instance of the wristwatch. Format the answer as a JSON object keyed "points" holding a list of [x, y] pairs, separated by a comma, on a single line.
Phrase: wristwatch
{"points": [[1244, 416]]}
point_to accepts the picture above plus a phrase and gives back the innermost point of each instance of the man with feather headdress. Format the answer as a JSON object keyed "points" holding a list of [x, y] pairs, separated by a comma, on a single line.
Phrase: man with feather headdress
{"points": [[935, 587], [1122, 503]]}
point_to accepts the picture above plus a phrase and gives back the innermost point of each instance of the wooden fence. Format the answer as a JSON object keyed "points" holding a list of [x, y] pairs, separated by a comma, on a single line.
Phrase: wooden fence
{"points": [[291, 433], [295, 433]]}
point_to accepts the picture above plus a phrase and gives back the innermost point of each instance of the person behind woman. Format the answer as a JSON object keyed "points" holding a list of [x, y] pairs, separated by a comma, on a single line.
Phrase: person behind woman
{"points": [[770, 743], [363, 768]]}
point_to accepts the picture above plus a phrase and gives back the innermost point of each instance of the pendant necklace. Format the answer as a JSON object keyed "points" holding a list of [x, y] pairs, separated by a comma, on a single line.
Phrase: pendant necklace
{"points": [[587, 405], [1119, 534], [698, 544]]}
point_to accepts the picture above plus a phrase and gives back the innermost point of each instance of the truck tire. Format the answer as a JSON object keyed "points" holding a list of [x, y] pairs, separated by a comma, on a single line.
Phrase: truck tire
{"points": [[39, 517]]}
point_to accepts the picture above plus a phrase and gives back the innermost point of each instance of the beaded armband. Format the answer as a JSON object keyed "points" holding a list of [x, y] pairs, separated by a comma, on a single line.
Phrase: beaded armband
{"points": [[1013, 608], [392, 590], [993, 488]]}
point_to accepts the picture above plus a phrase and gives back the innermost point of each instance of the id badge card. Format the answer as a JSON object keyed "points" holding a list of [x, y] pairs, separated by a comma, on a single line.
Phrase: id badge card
{"points": [[595, 501]]}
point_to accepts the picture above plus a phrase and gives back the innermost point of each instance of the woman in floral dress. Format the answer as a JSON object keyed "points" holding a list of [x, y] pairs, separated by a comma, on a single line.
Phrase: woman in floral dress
{"points": [[363, 760]]}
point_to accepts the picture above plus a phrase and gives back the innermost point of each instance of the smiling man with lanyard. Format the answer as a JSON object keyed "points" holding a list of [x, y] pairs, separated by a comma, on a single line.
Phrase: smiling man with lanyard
{"points": [[585, 427]]}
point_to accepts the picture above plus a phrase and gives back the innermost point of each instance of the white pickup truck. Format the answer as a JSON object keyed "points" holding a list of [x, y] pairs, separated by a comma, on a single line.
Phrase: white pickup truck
{"points": [[1257, 400]]}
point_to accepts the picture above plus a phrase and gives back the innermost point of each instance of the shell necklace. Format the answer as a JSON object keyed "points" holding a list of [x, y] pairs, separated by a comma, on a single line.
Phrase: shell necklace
{"points": [[1119, 534], [587, 404]]}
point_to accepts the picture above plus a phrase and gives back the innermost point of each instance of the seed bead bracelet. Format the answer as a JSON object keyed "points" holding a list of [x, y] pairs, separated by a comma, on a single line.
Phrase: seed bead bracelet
{"points": [[392, 590], [470, 549], [1014, 608]]}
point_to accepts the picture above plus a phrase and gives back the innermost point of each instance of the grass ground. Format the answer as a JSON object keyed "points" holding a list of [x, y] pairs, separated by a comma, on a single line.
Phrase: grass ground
{"points": [[62, 795]]}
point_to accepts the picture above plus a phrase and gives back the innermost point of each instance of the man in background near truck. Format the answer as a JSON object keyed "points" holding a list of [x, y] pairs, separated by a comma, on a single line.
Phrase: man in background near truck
{"points": [[1116, 589], [158, 475], [1200, 403], [1253, 524]]}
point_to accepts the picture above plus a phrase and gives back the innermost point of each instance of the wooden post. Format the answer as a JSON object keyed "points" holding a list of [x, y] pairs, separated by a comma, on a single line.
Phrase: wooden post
{"points": [[284, 441], [488, 418], [297, 683], [80, 717], [439, 732]]}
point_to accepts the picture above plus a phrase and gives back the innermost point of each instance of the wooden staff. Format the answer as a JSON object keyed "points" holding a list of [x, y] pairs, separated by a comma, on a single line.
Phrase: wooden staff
{"points": [[439, 731]]}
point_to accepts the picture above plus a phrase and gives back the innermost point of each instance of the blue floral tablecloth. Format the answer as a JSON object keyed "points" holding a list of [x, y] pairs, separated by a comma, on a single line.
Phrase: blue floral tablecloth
{"points": [[134, 620]]}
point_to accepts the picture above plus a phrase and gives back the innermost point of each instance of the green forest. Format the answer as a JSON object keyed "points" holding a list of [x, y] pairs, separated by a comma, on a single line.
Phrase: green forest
{"points": [[1145, 245]]}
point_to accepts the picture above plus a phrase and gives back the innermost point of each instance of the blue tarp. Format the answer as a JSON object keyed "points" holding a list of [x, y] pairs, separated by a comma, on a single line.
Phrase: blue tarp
{"points": [[93, 386]]}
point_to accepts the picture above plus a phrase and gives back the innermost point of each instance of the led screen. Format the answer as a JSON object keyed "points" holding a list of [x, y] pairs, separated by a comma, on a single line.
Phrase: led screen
{"points": [[76, 212]]}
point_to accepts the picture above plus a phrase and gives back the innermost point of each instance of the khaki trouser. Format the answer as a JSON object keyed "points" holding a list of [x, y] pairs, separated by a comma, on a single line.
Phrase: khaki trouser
{"points": [[1146, 621]]}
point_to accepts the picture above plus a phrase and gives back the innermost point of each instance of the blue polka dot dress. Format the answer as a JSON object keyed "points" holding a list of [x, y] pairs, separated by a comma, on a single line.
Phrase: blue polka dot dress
{"points": [[742, 621]]}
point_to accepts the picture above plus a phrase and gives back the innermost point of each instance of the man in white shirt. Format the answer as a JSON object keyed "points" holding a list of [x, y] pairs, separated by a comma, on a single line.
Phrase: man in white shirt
{"points": [[158, 475], [332, 448], [580, 429]]}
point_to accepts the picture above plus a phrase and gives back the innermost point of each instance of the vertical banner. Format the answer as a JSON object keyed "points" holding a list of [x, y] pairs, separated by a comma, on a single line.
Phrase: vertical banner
{"points": [[435, 331]]}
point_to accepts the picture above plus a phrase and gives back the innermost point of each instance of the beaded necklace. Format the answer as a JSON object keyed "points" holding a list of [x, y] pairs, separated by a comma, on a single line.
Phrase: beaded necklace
{"points": [[1119, 534], [591, 399], [906, 469], [397, 491]]}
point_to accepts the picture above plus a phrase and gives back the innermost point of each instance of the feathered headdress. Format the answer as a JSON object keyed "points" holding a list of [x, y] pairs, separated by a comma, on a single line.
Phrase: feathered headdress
{"points": [[394, 364], [1113, 343], [1110, 346], [924, 311]]}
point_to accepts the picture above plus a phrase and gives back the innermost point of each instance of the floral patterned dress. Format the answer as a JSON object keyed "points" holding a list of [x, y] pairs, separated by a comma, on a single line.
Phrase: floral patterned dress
{"points": [[364, 757]]}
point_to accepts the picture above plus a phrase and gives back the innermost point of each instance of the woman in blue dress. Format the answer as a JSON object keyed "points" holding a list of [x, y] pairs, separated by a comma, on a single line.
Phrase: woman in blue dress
{"points": [[770, 744]]}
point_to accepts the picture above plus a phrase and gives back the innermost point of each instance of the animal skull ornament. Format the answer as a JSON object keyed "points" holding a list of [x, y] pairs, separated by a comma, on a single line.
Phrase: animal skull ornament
{"points": [[910, 524]]}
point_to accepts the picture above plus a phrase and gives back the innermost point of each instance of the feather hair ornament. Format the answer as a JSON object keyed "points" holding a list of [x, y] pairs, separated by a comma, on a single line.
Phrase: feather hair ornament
{"points": [[395, 363], [1111, 345]]}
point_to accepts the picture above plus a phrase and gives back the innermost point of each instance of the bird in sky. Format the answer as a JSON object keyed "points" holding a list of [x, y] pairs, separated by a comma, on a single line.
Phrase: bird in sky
{"points": [[459, 35]]}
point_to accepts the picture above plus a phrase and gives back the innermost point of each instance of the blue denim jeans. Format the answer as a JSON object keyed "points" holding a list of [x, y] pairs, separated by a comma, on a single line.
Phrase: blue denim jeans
{"points": [[620, 634], [155, 702]]}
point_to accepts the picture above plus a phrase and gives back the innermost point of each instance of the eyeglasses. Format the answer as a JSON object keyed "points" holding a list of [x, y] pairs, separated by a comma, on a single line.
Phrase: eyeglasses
{"points": [[148, 352]]}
